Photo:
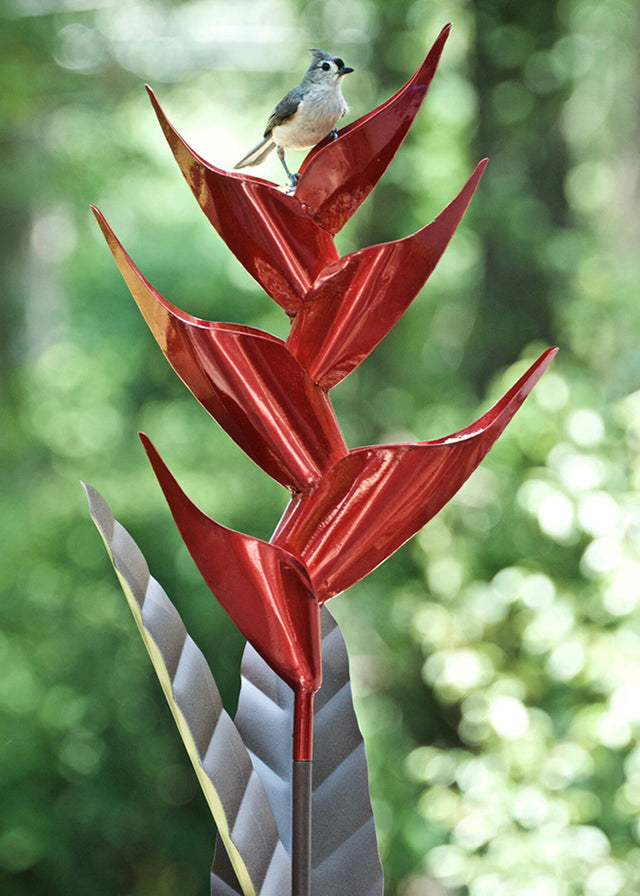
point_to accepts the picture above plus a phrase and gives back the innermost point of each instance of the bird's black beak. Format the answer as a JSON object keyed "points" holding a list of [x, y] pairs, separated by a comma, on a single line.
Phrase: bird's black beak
{"points": [[345, 70]]}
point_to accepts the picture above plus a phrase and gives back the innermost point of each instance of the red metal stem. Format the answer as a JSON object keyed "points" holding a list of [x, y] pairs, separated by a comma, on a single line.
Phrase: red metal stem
{"points": [[303, 725]]}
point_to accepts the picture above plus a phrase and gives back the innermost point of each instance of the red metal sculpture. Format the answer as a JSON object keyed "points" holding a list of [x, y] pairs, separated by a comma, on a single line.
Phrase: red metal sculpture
{"points": [[349, 509]]}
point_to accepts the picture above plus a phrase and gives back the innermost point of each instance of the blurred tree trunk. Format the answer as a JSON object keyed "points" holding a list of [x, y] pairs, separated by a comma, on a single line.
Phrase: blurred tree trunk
{"points": [[522, 202]]}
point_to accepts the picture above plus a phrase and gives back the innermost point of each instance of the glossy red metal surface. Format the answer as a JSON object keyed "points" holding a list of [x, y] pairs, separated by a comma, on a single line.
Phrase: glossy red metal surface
{"points": [[376, 498], [356, 301], [264, 589], [247, 380]]}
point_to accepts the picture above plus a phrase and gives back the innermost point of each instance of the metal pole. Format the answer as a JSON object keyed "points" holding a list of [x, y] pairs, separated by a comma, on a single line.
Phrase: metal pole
{"points": [[301, 834]]}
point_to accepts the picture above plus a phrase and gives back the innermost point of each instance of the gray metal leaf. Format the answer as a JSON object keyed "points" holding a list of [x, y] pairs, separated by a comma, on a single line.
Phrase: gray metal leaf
{"points": [[239, 804], [345, 858]]}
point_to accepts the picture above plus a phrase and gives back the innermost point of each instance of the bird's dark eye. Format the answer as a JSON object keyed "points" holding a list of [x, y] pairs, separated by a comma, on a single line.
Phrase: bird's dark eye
{"points": [[325, 66]]}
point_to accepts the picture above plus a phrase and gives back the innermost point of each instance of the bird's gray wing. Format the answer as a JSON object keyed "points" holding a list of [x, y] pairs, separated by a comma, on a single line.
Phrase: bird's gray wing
{"points": [[286, 109]]}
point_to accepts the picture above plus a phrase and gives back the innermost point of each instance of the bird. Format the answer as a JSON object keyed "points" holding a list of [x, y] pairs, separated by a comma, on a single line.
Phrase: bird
{"points": [[306, 115]]}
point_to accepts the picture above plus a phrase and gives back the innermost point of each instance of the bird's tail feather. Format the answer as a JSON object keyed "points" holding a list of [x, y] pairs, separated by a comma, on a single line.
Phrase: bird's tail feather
{"points": [[257, 154]]}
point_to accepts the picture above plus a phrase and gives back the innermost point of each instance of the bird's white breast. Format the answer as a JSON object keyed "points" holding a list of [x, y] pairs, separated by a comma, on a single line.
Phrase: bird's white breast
{"points": [[316, 116]]}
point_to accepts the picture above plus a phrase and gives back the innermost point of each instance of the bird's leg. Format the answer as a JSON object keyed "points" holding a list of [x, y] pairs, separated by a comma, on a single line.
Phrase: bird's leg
{"points": [[293, 178]]}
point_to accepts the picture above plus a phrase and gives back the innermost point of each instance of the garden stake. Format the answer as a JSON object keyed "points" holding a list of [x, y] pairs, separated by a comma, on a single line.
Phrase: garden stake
{"points": [[348, 509]]}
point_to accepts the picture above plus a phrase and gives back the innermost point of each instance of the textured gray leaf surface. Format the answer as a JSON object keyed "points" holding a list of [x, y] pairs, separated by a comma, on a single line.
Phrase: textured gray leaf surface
{"points": [[345, 851], [254, 853]]}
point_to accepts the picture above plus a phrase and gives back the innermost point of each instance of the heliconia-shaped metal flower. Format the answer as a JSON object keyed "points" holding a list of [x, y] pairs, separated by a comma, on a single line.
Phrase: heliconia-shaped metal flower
{"points": [[349, 509]]}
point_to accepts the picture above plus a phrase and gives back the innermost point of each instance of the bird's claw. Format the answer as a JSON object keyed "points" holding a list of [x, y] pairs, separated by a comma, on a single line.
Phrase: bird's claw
{"points": [[293, 182]]}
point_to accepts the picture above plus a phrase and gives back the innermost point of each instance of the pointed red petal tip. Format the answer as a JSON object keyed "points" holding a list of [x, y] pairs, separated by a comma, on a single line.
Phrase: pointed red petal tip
{"points": [[268, 231], [180, 147], [497, 417], [376, 498], [264, 590], [139, 287], [337, 176], [356, 301], [247, 380]]}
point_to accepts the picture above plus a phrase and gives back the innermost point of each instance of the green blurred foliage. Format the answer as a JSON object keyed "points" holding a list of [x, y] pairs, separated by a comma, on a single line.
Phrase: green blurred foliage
{"points": [[496, 658]]}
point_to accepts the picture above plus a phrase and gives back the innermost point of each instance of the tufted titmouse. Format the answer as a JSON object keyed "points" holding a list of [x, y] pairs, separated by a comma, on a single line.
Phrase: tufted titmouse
{"points": [[306, 114]]}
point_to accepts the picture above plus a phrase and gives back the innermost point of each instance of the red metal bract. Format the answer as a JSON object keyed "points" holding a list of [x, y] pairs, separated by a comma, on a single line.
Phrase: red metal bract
{"points": [[337, 176], [264, 589], [247, 380], [356, 301], [284, 240], [376, 498], [268, 230]]}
